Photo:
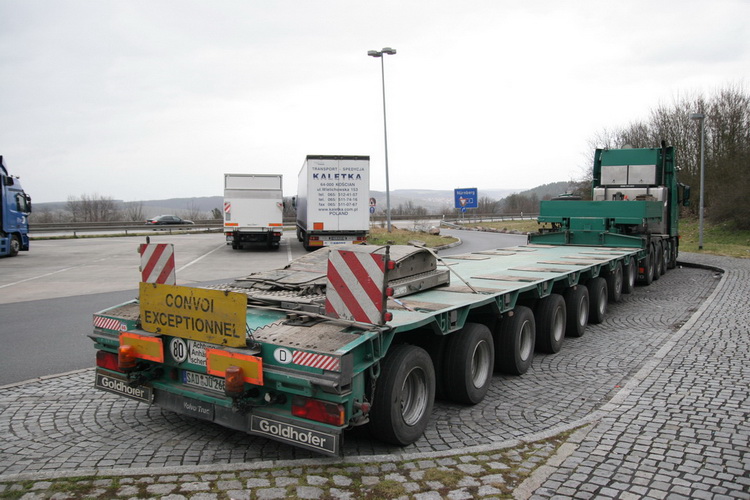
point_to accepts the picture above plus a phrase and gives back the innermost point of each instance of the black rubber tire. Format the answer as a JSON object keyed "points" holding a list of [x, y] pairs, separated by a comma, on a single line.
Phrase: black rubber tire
{"points": [[404, 395], [664, 256], [469, 364], [630, 276], [435, 347], [577, 307], [550, 315], [15, 246], [648, 266], [615, 280], [658, 260], [672, 245], [515, 336], [597, 299]]}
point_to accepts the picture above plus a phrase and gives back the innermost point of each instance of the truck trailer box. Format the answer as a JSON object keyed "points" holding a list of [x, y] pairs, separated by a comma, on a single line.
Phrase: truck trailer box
{"points": [[333, 200], [253, 209]]}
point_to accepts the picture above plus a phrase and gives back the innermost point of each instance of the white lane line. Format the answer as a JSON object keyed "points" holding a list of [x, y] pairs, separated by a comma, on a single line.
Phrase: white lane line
{"points": [[53, 272], [40, 276], [201, 257]]}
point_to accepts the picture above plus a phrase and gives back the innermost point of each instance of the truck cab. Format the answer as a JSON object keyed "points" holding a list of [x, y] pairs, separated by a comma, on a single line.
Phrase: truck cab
{"points": [[15, 207]]}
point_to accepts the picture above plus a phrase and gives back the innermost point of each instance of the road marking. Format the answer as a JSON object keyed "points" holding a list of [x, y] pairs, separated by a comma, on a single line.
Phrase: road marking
{"points": [[201, 257], [288, 250], [40, 276], [53, 272]]}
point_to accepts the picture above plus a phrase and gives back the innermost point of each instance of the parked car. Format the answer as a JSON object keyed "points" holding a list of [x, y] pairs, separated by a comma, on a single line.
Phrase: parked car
{"points": [[168, 219]]}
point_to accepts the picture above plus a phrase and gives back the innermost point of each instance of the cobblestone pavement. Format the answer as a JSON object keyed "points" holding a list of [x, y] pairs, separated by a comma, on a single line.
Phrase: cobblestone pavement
{"points": [[651, 403]]}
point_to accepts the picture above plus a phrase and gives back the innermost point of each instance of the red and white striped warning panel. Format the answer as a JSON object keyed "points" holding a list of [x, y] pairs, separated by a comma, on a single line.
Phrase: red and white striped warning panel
{"points": [[227, 207], [157, 263], [316, 361], [355, 289], [109, 323]]}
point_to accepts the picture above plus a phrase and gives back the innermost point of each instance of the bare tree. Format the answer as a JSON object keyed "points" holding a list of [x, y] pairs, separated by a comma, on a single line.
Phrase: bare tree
{"points": [[134, 211], [92, 208], [726, 148]]}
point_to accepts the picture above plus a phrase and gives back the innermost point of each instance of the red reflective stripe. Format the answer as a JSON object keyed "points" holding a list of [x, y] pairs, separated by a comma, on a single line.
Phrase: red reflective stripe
{"points": [[153, 259], [372, 289], [168, 268], [345, 295]]}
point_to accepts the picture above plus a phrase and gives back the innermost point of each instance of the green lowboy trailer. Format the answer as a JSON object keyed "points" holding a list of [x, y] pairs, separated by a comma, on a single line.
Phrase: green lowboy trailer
{"points": [[366, 335]]}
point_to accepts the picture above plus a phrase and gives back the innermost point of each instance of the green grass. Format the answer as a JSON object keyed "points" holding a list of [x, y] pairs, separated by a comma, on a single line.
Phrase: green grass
{"points": [[718, 238], [380, 236]]}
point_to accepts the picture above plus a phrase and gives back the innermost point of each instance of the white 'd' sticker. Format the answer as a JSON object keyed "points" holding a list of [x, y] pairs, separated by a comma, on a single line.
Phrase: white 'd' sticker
{"points": [[282, 355]]}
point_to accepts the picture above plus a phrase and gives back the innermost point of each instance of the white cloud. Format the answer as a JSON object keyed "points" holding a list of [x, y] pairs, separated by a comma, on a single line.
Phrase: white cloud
{"points": [[157, 99]]}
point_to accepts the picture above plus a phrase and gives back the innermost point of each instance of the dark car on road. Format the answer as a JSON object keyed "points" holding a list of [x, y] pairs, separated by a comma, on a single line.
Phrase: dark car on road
{"points": [[168, 219]]}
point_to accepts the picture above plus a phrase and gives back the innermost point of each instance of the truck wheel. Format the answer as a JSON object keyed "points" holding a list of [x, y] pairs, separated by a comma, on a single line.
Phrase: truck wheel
{"points": [[614, 283], [647, 264], [658, 261], [404, 395], [469, 363], [631, 274], [550, 317], [672, 262], [15, 246], [597, 299], [664, 256], [577, 309], [514, 341]]}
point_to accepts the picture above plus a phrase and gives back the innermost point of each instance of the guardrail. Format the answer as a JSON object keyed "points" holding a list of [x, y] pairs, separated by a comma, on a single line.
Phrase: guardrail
{"points": [[121, 227], [128, 227]]}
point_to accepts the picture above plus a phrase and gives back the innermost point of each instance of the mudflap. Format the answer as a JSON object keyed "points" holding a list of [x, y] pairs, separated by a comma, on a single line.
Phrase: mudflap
{"points": [[308, 434]]}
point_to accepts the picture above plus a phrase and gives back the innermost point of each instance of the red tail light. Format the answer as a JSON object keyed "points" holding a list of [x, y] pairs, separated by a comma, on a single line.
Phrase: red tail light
{"points": [[107, 360], [320, 411]]}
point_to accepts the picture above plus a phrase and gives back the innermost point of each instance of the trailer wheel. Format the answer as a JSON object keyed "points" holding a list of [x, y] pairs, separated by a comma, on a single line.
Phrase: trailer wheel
{"points": [[514, 341], [647, 264], [577, 307], [664, 256], [672, 245], [631, 274], [469, 364], [597, 299], [614, 283], [15, 246], [404, 395], [658, 260], [550, 316]]}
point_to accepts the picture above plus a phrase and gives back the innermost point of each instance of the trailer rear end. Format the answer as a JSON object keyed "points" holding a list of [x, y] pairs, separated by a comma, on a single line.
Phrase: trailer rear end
{"points": [[352, 335]]}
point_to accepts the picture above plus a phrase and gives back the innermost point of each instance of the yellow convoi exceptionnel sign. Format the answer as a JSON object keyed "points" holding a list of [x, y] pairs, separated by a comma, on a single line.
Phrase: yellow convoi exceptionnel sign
{"points": [[211, 316]]}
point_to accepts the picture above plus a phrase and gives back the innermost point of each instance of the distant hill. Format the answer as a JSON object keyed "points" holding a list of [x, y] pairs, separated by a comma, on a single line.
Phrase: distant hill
{"points": [[434, 201]]}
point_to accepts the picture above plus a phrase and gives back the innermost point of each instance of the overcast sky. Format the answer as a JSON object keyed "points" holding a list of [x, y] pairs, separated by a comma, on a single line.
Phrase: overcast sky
{"points": [[157, 99]]}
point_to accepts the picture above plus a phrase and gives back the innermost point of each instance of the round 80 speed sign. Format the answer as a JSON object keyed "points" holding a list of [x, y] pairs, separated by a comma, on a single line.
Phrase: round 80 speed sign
{"points": [[178, 349]]}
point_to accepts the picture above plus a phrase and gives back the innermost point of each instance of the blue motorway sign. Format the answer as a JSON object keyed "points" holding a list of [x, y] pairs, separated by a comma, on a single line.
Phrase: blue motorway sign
{"points": [[466, 198]]}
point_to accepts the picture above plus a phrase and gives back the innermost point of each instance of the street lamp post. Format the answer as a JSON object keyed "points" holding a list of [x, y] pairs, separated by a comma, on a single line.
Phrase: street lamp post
{"points": [[381, 55], [702, 118]]}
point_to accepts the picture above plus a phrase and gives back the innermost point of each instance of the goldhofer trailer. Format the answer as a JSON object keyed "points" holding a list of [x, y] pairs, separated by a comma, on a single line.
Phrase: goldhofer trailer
{"points": [[353, 335]]}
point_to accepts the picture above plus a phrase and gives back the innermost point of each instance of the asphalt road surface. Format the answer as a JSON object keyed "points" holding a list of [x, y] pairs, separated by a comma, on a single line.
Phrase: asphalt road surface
{"points": [[49, 294]]}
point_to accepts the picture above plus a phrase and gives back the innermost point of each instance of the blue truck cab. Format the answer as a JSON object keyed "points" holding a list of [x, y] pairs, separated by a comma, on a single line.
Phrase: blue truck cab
{"points": [[15, 207]]}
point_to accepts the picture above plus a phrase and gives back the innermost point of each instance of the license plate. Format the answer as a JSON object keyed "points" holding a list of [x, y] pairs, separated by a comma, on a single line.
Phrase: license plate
{"points": [[201, 381]]}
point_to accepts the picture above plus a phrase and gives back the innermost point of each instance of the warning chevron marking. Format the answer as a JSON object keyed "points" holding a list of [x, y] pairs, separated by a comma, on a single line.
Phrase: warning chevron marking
{"points": [[157, 263], [355, 284]]}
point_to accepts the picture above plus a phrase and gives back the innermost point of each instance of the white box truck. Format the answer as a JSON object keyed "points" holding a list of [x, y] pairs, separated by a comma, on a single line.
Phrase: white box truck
{"points": [[333, 197], [253, 209]]}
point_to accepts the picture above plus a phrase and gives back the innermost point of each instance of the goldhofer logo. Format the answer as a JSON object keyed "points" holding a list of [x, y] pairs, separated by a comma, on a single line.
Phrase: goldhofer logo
{"points": [[120, 386], [319, 441]]}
